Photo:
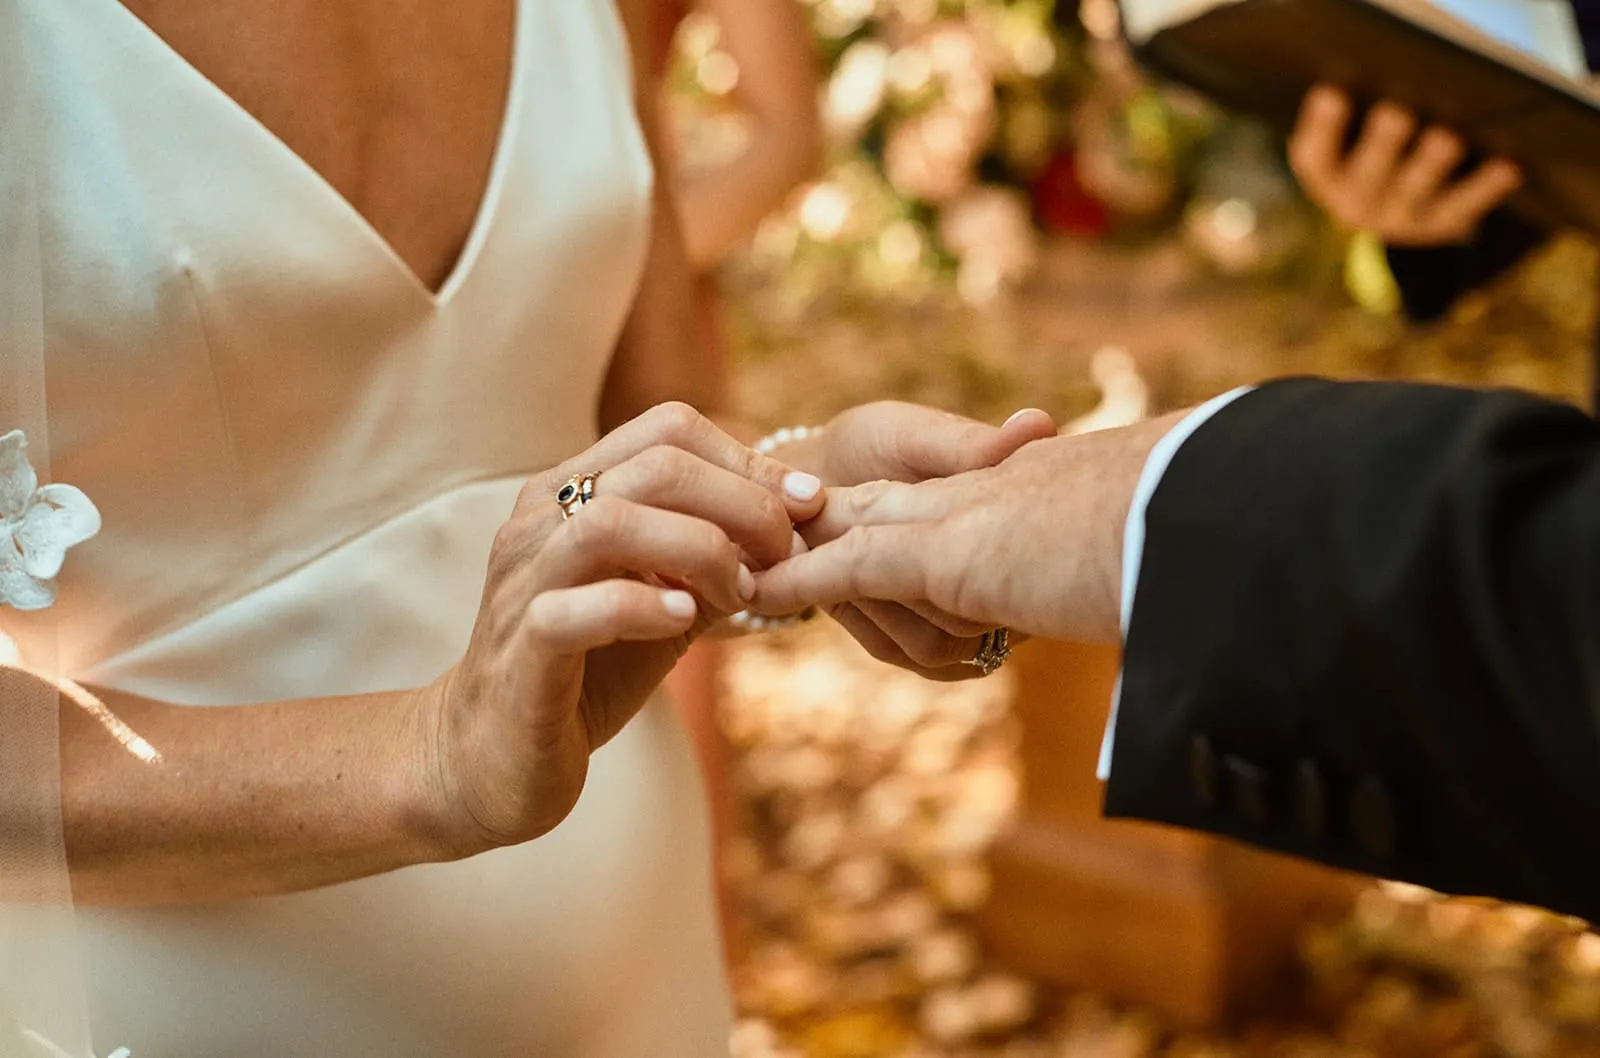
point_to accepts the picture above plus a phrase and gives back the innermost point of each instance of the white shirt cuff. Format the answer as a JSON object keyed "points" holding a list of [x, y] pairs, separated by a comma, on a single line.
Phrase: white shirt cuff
{"points": [[1155, 465]]}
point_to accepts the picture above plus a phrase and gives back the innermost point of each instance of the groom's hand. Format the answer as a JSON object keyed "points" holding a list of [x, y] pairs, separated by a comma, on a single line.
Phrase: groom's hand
{"points": [[899, 442], [896, 441], [1034, 544]]}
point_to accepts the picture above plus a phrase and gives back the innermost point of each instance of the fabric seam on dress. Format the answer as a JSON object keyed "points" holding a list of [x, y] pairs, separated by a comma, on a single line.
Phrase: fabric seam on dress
{"points": [[192, 285]]}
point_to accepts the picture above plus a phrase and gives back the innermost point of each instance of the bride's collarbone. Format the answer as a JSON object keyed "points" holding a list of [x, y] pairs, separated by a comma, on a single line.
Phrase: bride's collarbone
{"points": [[396, 104]]}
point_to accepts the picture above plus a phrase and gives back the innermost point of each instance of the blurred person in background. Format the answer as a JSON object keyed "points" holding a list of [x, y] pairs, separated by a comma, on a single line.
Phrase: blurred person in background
{"points": [[719, 208], [1444, 224]]}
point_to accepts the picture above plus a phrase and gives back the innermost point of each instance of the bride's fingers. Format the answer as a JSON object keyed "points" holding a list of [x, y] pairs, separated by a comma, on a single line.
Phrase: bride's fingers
{"points": [[672, 479], [886, 562], [880, 503], [881, 645], [609, 537], [924, 644], [680, 426], [591, 616]]}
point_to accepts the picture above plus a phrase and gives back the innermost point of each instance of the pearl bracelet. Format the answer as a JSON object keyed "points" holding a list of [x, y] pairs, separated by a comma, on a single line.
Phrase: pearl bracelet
{"points": [[744, 620], [788, 435]]}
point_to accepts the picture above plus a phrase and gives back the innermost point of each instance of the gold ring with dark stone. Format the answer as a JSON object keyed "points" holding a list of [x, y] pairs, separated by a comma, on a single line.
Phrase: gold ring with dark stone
{"points": [[578, 491]]}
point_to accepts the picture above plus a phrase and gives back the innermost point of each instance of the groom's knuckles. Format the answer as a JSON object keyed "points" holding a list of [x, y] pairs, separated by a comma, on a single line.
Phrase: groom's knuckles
{"points": [[961, 581], [881, 503], [786, 588], [881, 562], [860, 502], [833, 522], [834, 572], [852, 553]]}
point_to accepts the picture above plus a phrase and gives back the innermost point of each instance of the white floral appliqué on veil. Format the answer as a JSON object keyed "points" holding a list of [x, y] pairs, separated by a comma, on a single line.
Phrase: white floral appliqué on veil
{"points": [[37, 526]]}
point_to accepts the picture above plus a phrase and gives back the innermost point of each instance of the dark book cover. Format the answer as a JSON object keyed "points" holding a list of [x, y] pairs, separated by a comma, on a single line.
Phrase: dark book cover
{"points": [[1261, 56]]}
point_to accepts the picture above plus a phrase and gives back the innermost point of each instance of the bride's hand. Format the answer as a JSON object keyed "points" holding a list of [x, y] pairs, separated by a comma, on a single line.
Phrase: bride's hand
{"points": [[896, 441], [582, 618]]}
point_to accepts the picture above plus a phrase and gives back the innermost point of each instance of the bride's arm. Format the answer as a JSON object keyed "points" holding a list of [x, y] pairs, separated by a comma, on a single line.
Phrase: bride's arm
{"points": [[165, 803], [286, 796], [245, 801]]}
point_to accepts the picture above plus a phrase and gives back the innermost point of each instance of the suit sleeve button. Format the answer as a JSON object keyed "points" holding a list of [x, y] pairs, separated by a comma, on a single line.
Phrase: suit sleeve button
{"points": [[1251, 792], [1372, 819], [1203, 770]]}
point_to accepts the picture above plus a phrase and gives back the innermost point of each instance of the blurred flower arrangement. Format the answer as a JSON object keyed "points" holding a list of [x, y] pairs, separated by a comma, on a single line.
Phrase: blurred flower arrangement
{"points": [[963, 132]]}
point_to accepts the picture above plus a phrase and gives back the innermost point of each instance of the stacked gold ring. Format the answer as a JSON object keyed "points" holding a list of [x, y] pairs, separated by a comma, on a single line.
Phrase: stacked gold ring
{"points": [[993, 650], [578, 491]]}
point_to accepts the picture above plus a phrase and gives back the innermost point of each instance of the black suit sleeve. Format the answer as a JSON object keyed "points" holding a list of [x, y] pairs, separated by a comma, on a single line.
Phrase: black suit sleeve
{"points": [[1367, 631]]}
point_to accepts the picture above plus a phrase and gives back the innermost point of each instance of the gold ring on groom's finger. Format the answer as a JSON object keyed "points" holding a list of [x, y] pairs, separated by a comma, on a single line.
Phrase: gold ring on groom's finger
{"points": [[578, 491], [993, 650]]}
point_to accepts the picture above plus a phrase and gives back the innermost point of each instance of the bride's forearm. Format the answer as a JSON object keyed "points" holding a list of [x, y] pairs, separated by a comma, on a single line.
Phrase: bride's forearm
{"points": [[243, 801]]}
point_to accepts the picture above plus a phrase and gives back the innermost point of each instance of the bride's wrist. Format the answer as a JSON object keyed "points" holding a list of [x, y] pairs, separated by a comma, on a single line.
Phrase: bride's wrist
{"points": [[786, 437], [800, 447], [428, 810]]}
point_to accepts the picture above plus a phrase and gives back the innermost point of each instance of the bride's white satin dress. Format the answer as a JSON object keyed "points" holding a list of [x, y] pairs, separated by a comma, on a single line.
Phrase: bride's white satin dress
{"points": [[301, 454]]}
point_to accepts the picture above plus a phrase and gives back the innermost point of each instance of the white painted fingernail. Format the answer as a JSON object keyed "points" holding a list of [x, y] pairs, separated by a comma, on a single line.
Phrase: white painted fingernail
{"points": [[798, 546], [678, 603], [1017, 415], [800, 486], [747, 584]]}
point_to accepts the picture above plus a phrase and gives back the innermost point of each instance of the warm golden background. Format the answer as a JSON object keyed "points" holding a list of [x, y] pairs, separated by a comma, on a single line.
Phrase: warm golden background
{"points": [[1011, 216]]}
